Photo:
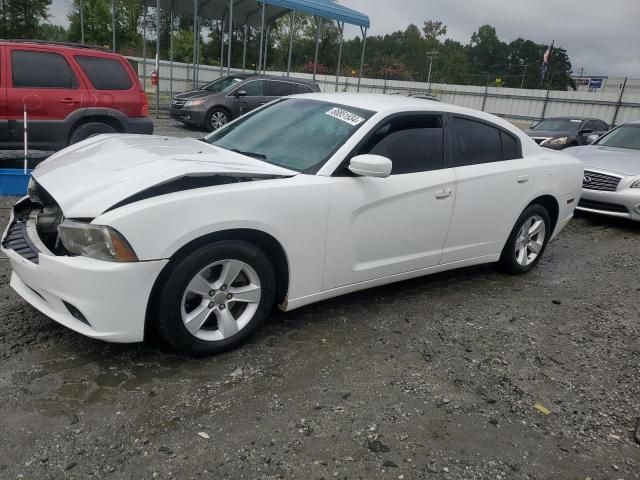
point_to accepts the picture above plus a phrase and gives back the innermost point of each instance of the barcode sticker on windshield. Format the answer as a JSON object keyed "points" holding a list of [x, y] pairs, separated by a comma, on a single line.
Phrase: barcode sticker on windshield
{"points": [[348, 117]]}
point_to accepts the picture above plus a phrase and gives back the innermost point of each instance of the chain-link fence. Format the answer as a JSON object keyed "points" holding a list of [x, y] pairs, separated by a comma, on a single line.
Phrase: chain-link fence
{"points": [[614, 106]]}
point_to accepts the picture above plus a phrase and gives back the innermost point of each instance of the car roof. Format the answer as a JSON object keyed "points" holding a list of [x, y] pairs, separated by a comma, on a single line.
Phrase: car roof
{"points": [[67, 46], [382, 103], [254, 76], [576, 117]]}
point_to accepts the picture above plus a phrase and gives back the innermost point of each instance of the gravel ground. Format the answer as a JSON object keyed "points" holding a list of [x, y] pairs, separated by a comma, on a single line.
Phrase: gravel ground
{"points": [[436, 377]]}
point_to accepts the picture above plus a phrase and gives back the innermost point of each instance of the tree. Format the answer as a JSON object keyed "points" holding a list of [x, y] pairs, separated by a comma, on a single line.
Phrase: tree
{"points": [[22, 18], [488, 56]]}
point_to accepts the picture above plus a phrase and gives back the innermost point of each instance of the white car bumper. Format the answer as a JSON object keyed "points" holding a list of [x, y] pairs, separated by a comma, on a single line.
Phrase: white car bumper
{"points": [[111, 297]]}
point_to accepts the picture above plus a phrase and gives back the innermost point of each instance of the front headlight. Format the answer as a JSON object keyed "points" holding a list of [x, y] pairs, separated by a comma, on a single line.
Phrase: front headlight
{"points": [[195, 103], [95, 241], [32, 191], [555, 142], [635, 184]]}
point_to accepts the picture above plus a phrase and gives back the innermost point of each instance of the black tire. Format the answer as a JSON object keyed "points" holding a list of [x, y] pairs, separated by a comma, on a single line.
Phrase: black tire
{"points": [[212, 123], [508, 260], [90, 129], [169, 323]]}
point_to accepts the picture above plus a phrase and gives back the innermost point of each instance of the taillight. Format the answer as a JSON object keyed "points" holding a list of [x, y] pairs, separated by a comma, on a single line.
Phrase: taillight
{"points": [[144, 109]]}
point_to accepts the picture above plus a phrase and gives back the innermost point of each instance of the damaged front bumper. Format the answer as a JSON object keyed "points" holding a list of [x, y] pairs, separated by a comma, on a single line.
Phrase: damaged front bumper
{"points": [[99, 299]]}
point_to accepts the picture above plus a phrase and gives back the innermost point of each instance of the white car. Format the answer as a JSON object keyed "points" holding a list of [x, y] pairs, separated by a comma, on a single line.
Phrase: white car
{"points": [[304, 199]]}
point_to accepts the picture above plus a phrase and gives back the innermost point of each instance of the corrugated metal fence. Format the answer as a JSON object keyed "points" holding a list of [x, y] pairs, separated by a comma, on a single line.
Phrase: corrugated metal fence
{"points": [[511, 103]]}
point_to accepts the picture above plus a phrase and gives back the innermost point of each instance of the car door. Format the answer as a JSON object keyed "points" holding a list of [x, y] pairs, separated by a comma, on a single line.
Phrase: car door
{"points": [[47, 84], [4, 122], [255, 95], [494, 186], [380, 227]]}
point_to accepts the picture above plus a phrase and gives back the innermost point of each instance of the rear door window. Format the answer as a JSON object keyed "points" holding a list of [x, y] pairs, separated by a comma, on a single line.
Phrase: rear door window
{"points": [[510, 146], [33, 69], [105, 73], [474, 142], [279, 89]]}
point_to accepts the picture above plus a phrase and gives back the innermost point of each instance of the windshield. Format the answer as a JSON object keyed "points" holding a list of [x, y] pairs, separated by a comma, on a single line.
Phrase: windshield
{"points": [[221, 84], [558, 125], [626, 136], [295, 133]]}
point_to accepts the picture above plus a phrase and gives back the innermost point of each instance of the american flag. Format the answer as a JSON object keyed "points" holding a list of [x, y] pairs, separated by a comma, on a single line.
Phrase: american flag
{"points": [[545, 59]]}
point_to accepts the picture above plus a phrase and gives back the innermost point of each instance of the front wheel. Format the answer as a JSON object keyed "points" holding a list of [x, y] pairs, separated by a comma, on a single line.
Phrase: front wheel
{"points": [[215, 298], [217, 118], [527, 241]]}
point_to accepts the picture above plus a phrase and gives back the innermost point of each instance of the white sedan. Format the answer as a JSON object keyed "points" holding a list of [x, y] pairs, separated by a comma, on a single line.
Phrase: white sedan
{"points": [[307, 198]]}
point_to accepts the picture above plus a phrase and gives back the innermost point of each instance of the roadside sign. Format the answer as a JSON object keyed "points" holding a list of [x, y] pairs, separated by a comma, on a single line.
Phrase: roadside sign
{"points": [[595, 83]]}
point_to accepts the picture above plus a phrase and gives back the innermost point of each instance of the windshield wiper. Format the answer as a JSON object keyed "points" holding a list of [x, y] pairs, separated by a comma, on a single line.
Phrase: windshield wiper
{"points": [[259, 156]]}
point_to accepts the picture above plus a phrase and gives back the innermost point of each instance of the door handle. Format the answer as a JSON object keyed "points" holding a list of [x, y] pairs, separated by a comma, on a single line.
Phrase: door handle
{"points": [[443, 193], [69, 101], [523, 178]]}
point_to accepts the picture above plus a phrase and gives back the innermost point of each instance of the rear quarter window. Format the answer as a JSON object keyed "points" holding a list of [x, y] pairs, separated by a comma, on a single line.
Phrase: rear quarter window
{"points": [[105, 73]]}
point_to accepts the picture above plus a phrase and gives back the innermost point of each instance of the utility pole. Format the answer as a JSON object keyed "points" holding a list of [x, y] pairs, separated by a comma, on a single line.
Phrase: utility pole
{"points": [[81, 21], [580, 78], [524, 74], [430, 56]]}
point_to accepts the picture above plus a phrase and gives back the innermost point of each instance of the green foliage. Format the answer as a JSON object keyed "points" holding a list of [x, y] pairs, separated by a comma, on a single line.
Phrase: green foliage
{"points": [[22, 18]]}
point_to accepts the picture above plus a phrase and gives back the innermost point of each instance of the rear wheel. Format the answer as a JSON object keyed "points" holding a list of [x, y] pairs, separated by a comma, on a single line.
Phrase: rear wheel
{"points": [[88, 130], [527, 241], [217, 118], [215, 298]]}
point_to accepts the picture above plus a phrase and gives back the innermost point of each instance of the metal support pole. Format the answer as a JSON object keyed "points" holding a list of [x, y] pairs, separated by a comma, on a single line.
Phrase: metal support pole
{"points": [[292, 21], [315, 58], [222, 47], [195, 42], [230, 37], [486, 91], [157, 58], [266, 49], [244, 49], [113, 24], [81, 6], [259, 65], [341, 26], [171, 51], [619, 104], [144, 45], [364, 46], [544, 106]]}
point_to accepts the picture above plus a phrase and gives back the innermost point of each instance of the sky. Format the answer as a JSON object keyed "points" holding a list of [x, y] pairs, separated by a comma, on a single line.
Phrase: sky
{"points": [[601, 36]]}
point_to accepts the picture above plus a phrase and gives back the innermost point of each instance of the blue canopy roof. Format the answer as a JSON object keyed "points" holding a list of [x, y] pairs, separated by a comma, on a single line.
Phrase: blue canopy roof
{"points": [[250, 11]]}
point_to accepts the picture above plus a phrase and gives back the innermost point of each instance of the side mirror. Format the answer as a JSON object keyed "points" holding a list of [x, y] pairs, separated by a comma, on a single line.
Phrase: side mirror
{"points": [[241, 93], [592, 138], [370, 166]]}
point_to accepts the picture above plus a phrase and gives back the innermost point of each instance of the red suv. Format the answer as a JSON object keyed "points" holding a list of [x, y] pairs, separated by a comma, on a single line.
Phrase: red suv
{"points": [[71, 92]]}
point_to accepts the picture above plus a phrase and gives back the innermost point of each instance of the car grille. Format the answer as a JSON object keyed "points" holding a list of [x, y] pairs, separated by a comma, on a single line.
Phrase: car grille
{"points": [[177, 103], [18, 241], [600, 181], [602, 206]]}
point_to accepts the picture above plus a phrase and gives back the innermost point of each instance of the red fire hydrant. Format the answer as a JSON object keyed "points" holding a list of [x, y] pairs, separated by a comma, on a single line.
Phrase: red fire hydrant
{"points": [[154, 77]]}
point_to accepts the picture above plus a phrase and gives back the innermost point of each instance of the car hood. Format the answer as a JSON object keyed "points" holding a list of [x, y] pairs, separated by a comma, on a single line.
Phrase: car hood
{"points": [[624, 161], [88, 178], [547, 133], [197, 93]]}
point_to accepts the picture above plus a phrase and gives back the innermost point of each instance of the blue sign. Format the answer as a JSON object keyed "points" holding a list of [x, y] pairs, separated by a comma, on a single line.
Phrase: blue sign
{"points": [[595, 83]]}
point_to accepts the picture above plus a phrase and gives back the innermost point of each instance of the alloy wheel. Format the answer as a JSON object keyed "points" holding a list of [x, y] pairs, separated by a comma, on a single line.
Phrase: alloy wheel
{"points": [[530, 240], [220, 300], [218, 120]]}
